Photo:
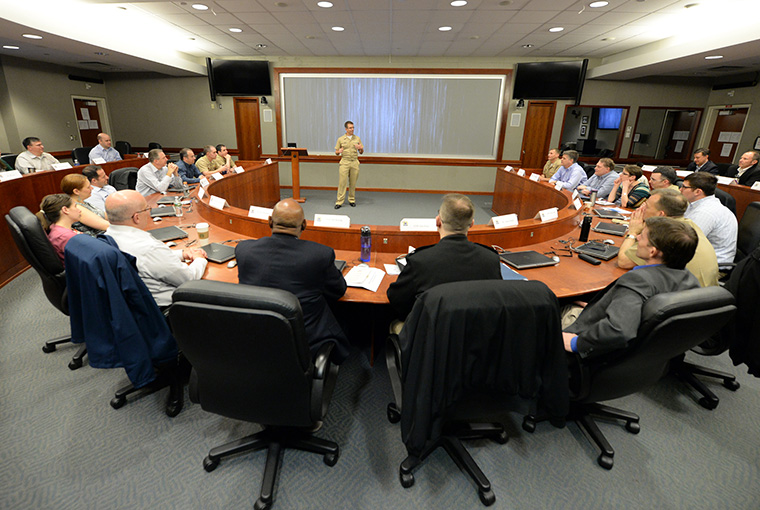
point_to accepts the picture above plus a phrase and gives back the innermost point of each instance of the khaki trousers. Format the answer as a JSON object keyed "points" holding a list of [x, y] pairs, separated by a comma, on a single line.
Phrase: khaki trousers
{"points": [[348, 173]]}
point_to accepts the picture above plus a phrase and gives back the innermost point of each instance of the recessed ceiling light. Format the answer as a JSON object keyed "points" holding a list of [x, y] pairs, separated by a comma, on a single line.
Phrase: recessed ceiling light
{"points": [[338, 29], [556, 29], [260, 46], [601, 3], [527, 45], [236, 30], [713, 57], [458, 3], [609, 39], [32, 36], [11, 47], [474, 37], [310, 37], [444, 29], [505, 3], [280, 4], [325, 5], [121, 7], [200, 7], [689, 6]]}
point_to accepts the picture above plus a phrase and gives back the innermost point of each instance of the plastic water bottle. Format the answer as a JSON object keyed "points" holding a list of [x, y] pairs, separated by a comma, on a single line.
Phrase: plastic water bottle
{"points": [[177, 207], [366, 244]]}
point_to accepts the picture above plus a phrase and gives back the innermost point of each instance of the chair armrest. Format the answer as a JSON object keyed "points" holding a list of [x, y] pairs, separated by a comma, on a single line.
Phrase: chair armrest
{"points": [[393, 363], [322, 361]]}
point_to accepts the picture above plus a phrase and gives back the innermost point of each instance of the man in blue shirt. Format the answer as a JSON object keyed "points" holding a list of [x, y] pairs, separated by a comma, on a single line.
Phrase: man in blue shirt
{"points": [[602, 181], [104, 150], [187, 169], [570, 174]]}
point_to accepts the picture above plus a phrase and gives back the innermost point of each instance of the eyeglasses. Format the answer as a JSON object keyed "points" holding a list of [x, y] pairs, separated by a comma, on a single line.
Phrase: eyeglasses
{"points": [[142, 210], [684, 186]]}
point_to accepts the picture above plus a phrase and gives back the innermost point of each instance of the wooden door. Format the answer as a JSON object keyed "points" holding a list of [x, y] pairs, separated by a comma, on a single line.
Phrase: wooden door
{"points": [[247, 128], [724, 138], [88, 121], [682, 121], [538, 132]]}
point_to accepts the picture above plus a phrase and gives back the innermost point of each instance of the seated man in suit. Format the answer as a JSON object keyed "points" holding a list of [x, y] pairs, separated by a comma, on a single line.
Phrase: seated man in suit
{"points": [[187, 169], [702, 162], [161, 268], [663, 177], [716, 220], [612, 318], [452, 259], [747, 172], [570, 174], [305, 268], [155, 176], [670, 204]]}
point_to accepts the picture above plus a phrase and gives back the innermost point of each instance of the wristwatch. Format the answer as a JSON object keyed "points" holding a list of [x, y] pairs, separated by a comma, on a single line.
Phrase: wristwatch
{"points": [[631, 236]]}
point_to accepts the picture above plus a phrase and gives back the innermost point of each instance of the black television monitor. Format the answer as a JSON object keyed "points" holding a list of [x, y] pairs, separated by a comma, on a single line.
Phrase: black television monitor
{"points": [[238, 78], [550, 80], [609, 118]]}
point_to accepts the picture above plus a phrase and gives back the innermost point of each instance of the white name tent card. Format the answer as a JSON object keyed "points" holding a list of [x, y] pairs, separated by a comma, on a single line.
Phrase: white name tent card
{"points": [[578, 203], [365, 277], [722, 179], [521, 172], [648, 168], [218, 176], [239, 170], [99, 161], [548, 214], [261, 213], [268, 161], [418, 224], [575, 194], [217, 202], [558, 185], [756, 185], [503, 221], [204, 182], [10, 175], [535, 177], [332, 220], [201, 193], [508, 168], [61, 166], [682, 173]]}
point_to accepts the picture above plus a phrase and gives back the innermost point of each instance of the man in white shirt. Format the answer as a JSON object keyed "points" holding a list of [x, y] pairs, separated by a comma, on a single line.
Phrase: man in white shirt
{"points": [[104, 150], [100, 187], [716, 221], [156, 176], [161, 268], [34, 159]]}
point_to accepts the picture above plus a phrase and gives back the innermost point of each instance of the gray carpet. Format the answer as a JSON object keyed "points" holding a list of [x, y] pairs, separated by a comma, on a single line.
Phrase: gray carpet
{"points": [[63, 447]]}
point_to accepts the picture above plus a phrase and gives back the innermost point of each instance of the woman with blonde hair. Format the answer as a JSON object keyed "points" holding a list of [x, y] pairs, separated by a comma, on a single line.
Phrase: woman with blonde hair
{"points": [[92, 221], [57, 214]]}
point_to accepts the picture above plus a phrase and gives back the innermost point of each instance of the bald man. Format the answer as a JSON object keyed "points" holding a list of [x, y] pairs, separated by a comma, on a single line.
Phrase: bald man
{"points": [[104, 151], [305, 268], [161, 268]]}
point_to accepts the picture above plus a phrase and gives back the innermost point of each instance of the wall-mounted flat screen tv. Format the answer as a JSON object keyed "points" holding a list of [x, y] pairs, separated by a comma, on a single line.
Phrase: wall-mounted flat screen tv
{"points": [[609, 118], [550, 80], [238, 78]]}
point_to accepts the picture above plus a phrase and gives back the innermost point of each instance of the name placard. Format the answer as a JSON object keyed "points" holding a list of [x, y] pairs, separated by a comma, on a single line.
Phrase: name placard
{"points": [[535, 177], [61, 166], [504, 221], [521, 172], [756, 185], [204, 182], [217, 176], [508, 168], [10, 175], [217, 202], [201, 193], [722, 179], [548, 214], [239, 170], [575, 194], [682, 173], [268, 161], [99, 161], [578, 203], [558, 185], [261, 213], [332, 220], [648, 168], [418, 225]]}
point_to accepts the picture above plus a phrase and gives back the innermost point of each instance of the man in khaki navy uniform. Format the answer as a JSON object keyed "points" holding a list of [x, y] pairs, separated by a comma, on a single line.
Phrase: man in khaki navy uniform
{"points": [[348, 147]]}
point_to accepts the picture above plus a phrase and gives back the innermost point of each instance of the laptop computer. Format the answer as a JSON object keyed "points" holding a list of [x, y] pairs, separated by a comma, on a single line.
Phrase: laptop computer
{"points": [[219, 253], [340, 264], [598, 250], [158, 212], [608, 214], [526, 259], [610, 228], [165, 234], [169, 199]]}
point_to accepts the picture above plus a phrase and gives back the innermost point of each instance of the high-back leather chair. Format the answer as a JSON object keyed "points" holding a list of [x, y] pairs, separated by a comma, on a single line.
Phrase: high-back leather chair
{"points": [[114, 314], [10, 159], [726, 199], [497, 343], [81, 155], [123, 178], [748, 238], [743, 333], [35, 247], [671, 324], [154, 145], [123, 148], [251, 362]]}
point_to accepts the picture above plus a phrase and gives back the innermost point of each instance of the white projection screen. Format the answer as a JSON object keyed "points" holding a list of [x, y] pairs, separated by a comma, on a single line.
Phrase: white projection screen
{"points": [[397, 115]]}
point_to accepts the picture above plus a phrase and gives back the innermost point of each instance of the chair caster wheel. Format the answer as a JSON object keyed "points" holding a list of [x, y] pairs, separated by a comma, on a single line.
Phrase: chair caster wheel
{"points": [[633, 427], [210, 464], [330, 459], [48, 348], [118, 402], [393, 415], [707, 403], [732, 385], [502, 438], [529, 424], [74, 364], [605, 461], [407, 480], [262, 505], [488, 498]]}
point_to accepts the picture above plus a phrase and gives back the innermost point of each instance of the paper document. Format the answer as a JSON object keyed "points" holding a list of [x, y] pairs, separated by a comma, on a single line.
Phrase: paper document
{"points": [[365, 277], [392, 269]]}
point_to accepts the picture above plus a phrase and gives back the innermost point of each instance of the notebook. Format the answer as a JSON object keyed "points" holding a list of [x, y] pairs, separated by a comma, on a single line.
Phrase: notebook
{"points": [[158, 212], [526, 259], [608, 214], [598, 250], [219, 253], [610, 228], [164, 234]]}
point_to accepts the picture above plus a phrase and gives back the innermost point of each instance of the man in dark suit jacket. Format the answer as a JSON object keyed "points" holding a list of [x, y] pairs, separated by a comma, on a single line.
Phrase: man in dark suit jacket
{"points": [[305, 268], [747, 170], [453, 259], [702, 162]]}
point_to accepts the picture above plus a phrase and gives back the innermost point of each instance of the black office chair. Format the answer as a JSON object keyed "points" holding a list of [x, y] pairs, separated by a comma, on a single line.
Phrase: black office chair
{"points": [[470, 346], [81, 155], [123, 178], [588, 168], [123, 148], [744, 331], [128, 329], [723, 168], [671, 324], [35, 247], [726, 199], [10, 159], [748, 238], [251, 362], [154, 145]]}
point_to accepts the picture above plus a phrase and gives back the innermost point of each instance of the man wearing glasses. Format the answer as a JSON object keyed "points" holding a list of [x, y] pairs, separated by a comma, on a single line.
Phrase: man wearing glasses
{"points": [[716, 221], [161, 268]]}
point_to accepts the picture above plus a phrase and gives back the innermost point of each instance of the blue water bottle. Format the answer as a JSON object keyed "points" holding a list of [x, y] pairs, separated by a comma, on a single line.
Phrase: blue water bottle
{"points": [[366, 242]]}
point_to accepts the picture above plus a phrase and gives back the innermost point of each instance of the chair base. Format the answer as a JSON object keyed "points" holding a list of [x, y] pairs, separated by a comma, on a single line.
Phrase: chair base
{"points": [[51, 345], [174, 402], [78, 359], [275, 439], [451, 442], [687, 372], [583, 415]]}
